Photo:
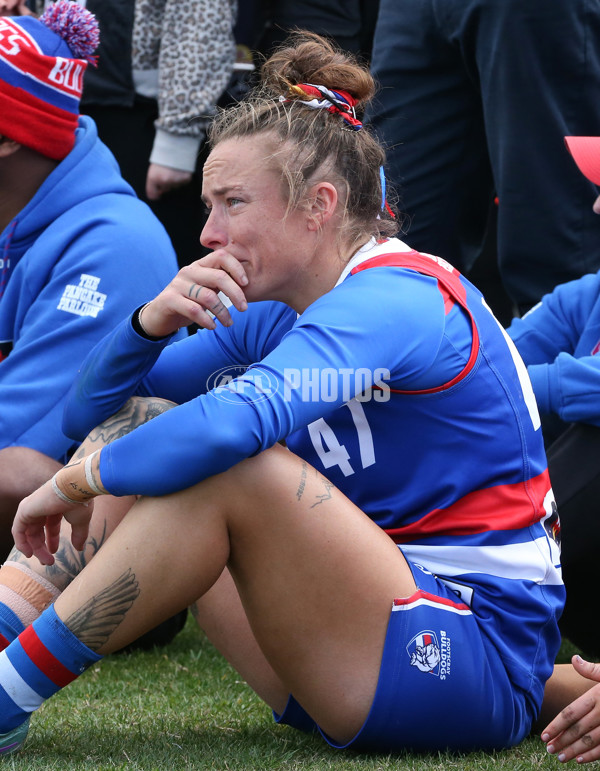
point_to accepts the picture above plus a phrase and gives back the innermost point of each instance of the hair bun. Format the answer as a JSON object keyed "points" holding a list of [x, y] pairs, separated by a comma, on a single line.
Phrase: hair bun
{"points": [[306, 57], [76, 26]]}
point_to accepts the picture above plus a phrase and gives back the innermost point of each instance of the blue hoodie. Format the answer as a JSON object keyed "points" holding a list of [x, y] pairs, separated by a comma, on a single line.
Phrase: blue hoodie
{"points": [[82, 255], [559, 340]]}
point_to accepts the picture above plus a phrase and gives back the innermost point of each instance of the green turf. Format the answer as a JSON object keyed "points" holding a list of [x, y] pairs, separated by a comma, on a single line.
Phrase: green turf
{"points": [[182, 707]]}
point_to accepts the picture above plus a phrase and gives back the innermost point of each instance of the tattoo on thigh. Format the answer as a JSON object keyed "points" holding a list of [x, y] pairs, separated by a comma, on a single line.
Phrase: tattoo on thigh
{"points": [[326, 496], [95, 621], [302, 485]]}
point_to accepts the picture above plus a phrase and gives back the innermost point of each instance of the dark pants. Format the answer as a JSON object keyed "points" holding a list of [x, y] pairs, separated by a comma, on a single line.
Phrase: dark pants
{"points": [[574, 465], [476, 98]]}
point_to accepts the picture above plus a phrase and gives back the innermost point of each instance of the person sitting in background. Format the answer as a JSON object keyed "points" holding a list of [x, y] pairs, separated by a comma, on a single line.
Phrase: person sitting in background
{"points": [[559, 341], [78, 250]]}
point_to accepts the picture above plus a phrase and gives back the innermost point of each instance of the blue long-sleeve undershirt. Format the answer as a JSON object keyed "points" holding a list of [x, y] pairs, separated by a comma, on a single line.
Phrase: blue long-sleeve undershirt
{"points": [[558, 340]]}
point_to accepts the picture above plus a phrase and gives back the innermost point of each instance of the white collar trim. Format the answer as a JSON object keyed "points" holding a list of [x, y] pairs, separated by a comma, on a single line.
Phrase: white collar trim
{"points": [[372, 249]]}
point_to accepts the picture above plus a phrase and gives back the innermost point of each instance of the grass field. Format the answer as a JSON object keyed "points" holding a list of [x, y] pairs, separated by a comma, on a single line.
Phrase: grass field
{"points": [[182, 707]]}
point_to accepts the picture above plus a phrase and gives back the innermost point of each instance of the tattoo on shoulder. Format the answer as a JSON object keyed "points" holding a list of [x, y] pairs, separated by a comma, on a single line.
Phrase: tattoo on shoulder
{"points": [[95, 621]]}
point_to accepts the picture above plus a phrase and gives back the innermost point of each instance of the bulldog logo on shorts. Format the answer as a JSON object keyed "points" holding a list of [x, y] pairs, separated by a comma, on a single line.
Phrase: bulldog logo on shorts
{"points": [[424, 652]]}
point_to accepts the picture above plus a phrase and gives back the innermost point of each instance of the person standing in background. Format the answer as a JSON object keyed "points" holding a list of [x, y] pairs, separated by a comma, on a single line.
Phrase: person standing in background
{"points": [[476, 97], [349, 23], [163, 65]]}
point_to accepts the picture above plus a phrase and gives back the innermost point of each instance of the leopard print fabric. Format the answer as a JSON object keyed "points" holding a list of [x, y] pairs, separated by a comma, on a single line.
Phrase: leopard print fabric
{"points": [[191, 44]]}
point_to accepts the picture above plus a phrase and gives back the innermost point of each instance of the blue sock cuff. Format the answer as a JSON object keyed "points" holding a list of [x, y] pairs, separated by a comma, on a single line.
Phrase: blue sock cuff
{"points": [[11, 625], [62, 643]]}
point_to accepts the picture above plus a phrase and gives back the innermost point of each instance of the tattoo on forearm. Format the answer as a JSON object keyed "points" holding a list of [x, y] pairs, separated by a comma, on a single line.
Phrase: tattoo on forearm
{"points": [[96, 478], [326, 496], [80, 453], [134, 413], [302, 485], [95, 621], [81, 492]]}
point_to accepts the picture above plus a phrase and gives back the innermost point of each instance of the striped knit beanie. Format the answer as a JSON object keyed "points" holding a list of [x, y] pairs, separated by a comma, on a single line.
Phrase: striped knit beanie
{"points": [[42, 62]]}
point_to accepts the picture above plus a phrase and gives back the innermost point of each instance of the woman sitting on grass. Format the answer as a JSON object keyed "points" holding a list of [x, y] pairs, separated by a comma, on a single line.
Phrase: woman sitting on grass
{"points": [[390, 575]]}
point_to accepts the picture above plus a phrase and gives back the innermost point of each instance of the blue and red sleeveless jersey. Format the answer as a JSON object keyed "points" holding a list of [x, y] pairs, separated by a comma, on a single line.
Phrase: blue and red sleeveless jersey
{"points": [[445, 453], [456, 472]]}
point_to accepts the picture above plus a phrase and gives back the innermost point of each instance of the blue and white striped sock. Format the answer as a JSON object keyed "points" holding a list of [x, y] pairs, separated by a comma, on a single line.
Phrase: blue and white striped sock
{"points": [[10, 626], [42, 660]]}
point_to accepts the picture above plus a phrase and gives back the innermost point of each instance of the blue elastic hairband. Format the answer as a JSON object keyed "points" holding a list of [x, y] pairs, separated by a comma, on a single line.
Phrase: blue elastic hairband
{"points": [[382, 178]]}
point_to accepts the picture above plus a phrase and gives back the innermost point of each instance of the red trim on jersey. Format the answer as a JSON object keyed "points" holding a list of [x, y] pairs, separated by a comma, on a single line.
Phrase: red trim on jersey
{"points": [[4, 643], [420, 594], [45, 661], [503, 507], [451, 288], [448, 300]]}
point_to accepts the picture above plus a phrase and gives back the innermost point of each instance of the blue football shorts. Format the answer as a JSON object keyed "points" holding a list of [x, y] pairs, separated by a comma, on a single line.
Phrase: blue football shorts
{"points": [[442, 684]]}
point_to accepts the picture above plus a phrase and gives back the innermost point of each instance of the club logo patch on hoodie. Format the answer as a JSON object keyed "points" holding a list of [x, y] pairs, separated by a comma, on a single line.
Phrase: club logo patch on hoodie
{"points": [[83, 299]]}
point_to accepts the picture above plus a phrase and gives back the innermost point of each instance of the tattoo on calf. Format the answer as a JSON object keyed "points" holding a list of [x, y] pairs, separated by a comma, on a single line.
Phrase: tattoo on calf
{"points": [[95, 621], [68, 562]]}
